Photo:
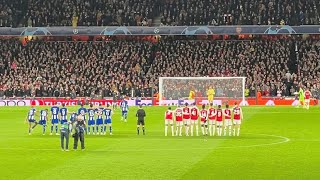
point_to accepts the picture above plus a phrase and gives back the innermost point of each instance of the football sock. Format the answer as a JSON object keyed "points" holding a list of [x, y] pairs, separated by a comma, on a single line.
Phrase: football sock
{"points": [[234, 131], [29, 130], [187, 130], [93, 129], [191, 130], [177, 130], [229, 130], [202, 130], [143, 130], [213, 130], [172, 132], [197, 130], [88, 129], [225, 131], [165, 130], [238, 132], [180, 133], [101, 130], [97, 129], [210, 130], [56, 128], [51, 129], [43, 129], [110, 128], [138, 130], [105, 129]]}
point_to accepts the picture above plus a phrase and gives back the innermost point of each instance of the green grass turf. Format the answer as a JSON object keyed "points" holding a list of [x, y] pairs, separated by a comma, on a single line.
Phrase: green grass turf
{"points": [[128, 156]]}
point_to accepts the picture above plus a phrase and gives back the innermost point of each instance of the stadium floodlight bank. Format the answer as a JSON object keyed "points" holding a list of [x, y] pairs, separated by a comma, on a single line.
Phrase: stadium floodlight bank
{"points": [[175, 90]]}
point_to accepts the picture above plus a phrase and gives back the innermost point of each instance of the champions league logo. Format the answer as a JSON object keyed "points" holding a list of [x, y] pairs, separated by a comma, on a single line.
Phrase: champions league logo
{"points": [[115, 31], [33, 31], [196, 30], [75, 31], [280, 30]]}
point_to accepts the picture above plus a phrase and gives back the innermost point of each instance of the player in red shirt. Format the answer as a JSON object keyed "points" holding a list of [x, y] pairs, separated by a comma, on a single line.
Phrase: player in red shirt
{"points": [[307, 96], [168, 120], [227, 120], [203, 120], [237, 117], [186, 118], [179, 122], [219, 120], [212, 120], [194, 119]]}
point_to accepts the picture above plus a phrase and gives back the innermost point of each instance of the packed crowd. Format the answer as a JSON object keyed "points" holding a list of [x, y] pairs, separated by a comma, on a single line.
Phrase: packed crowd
{"points": [[132, 68], [309, 65], [171, 12], [245, 12], [70, 69], [89, 13], [263, 62]]}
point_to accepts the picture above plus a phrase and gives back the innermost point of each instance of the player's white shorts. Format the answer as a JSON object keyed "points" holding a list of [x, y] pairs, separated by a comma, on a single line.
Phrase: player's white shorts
{"points": [[179, 123], [212, 122], [168, 121], [219, 123], [203, 122], [235, 122], [194, 122], [186, 121], [307, 100], [227, 122]]}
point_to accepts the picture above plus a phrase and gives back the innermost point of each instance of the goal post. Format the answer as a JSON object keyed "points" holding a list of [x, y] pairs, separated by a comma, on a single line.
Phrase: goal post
{"points": [[173, 90]]}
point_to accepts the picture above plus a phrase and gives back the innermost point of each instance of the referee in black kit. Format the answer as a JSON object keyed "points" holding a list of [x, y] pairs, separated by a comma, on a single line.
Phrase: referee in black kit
{"points": [[140, 115]]}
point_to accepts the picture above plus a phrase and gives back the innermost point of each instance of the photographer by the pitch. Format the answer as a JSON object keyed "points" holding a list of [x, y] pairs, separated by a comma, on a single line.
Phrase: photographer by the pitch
{"points": [[80, 126], [141, 114]]}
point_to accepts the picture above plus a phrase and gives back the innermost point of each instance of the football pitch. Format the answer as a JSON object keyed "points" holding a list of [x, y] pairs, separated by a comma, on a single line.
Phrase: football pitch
{"points": [[275, 143]]}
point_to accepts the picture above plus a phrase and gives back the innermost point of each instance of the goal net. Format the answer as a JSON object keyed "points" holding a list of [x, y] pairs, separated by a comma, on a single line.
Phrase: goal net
{"points": [[178, 90]]}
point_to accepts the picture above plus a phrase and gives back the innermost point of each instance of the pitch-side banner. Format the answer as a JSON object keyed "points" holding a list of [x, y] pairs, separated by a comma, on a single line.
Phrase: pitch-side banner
{"points": [[50, 102], [15, 103]]}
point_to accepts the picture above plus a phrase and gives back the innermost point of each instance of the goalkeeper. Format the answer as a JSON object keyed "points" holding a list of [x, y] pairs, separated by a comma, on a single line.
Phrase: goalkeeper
{"points": [[210, 94], [191, 95], [301, 96]]}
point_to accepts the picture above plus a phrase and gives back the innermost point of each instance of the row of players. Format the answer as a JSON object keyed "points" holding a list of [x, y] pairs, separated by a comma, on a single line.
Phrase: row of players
{"points": [[99, 118], [212, 119]]}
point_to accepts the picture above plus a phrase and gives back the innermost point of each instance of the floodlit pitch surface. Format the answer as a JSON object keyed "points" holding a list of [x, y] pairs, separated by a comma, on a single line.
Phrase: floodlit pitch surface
{"points": [[275, 143]]}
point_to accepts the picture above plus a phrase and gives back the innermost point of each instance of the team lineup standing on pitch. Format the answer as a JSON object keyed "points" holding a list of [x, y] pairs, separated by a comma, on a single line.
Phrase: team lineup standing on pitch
{"points": [[212, 120], [98, 119]]}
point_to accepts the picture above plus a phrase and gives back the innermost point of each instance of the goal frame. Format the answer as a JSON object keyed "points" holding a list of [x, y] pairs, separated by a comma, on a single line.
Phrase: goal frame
{"points": [[199, 78]]}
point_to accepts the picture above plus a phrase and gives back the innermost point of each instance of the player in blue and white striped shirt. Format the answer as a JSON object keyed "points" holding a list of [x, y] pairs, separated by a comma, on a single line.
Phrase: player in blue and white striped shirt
{"points": [[107, 121], [124, 108], [31, 119], [43, 120], [63, 114], [91, 120], [99, 122], [54, 118]]}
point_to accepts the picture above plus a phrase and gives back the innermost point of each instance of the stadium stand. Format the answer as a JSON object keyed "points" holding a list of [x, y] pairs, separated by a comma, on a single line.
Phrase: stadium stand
{"points": [[38, 13], [96, 69], [244, 12]]}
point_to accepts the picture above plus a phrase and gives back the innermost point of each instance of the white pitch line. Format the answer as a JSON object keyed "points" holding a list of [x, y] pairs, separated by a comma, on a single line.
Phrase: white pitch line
{"points": [[284, 140]]}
